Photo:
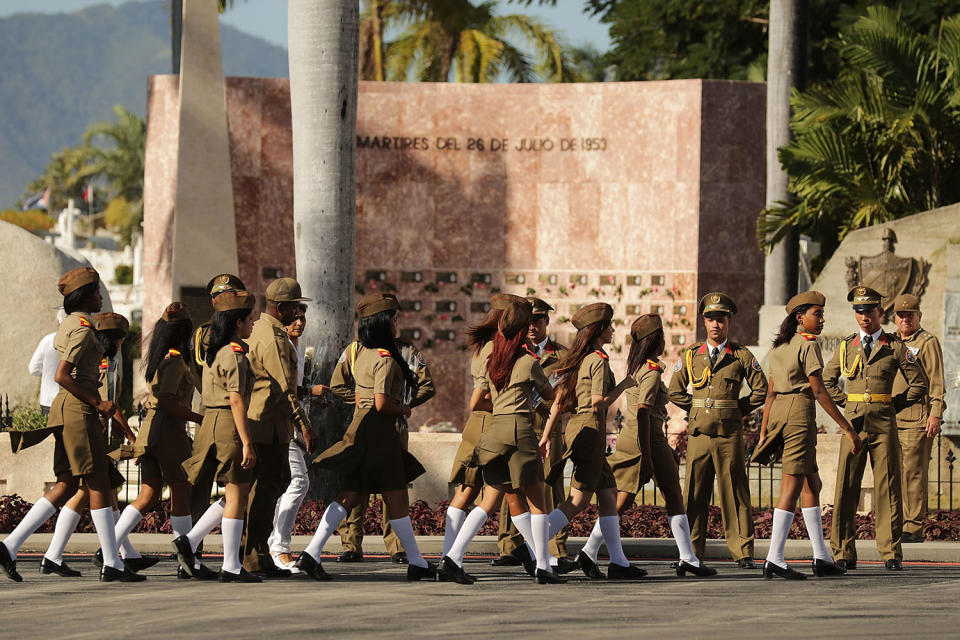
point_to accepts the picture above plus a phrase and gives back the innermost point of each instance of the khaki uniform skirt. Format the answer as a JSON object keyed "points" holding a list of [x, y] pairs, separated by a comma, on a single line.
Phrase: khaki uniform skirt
{"points": [[792, 430], [217, 442], [508, 451], [82, 435], [586, 447], [162, 447], [466, 470], [625, 461], [371, 455]]}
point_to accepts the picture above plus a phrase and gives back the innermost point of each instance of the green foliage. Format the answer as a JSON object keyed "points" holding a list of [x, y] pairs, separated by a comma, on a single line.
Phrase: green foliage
{"points": [[32, 220], [123, 274], [28, 417]]}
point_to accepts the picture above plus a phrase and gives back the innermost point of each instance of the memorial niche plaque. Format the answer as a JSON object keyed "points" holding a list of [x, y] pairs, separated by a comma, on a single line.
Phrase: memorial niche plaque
{"points": [[634, 310], [481, 278], [448, 277], [678, 339], [634, 281], [548, 278], [411, 276], [411, 305], [608, 280], [578, 278], [575, 307], [447, 335], [514, 278], [410, 334], [445, 306], [378, 276], [479, 307], [271, 273], [657, 281], [888, 273], [679, 309], [656, 309]]}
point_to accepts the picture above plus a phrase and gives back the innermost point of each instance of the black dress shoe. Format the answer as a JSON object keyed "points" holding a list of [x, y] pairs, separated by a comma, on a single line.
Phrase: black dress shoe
{"points": [[823, 569], [522, 554], [505, 561], [141, 563], [48, 566], [109, 574], [847, 565], [893, 565], [350, 556], [912, 538], [566, 565], [589, 567], [415, 573], [9, 564], [629, 572], [182, 575], [243, 576], [770, 569], [746, 563], [448, 571], [310, 566], [204, 573], [399, 557], [274, 572], [703, 571], [185, 556], [97, 559], [548, 577]]}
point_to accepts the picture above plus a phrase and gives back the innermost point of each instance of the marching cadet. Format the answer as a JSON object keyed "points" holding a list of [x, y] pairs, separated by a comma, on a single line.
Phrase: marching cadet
{"points": [[549, 354], [789, 427], [716, 369], [918, 423], [869, 360], [342, 385]]}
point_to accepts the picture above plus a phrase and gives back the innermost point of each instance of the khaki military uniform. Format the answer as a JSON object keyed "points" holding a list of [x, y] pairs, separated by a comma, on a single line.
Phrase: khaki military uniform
{"points": [[111, 386], [342, 385], [203, 485], [715, 448], [465, 470], [870, 408]]}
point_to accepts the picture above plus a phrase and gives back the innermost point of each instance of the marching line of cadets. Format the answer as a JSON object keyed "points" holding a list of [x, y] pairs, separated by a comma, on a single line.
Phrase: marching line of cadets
{"points": [[254, 438]]}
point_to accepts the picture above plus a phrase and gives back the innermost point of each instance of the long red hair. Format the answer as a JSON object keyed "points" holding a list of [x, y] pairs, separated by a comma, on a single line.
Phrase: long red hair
{"points": [[508, 343]]}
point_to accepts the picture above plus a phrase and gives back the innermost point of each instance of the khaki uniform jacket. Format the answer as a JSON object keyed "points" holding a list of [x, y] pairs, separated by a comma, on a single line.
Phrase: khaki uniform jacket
{"points": [[516, 397], [925, 347], [377, 372], [342, 382], [274, 410], [594, 378], [722, 383], [230, 372]]}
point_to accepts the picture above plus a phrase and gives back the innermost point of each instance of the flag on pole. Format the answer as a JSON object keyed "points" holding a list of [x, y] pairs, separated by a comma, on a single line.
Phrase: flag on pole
{"points": [[38, 200], [88, 194]]}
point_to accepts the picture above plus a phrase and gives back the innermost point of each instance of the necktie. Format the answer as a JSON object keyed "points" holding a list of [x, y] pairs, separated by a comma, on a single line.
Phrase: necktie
{"points": [[713, 355], [867, 344]]}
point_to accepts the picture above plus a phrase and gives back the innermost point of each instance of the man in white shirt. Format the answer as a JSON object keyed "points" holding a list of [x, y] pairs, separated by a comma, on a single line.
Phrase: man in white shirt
{"points": [[43, 363]]}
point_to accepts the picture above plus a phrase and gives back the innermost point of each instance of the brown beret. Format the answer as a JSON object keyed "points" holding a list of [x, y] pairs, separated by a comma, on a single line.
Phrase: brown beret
{"points": [[717, 302], [540, 307], [906, 302], [499, 301], [233, 300], [377, 302], [76, 278], [645, 325], [515, 318], [807, 297], [175, 312], [225, 282], [864, 298], [596, 312], [109, 320], [285, 290]]}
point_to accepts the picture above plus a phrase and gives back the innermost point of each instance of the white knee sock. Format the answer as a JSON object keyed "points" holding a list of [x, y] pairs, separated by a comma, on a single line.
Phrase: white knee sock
{"points": [[610, 526], [404, 530], [451, 527], [333, 516], [540, 526], [813, 520], [473, 523], [778, 537], [592, 547], [207, 523], [232, 529], [126, 523], [557, 521], [38, 514], [522, 523], [66, 524], [127, 550], [681, 535], [104, 523], [181, 525]]}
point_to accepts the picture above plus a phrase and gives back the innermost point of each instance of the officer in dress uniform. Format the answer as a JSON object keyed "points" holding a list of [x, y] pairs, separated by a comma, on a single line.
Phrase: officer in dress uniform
{"points": [[716, 369], [918, 423], [870, 360]]}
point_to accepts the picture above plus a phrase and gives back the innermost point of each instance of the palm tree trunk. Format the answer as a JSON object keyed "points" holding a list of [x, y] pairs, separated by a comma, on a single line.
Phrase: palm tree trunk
{"points": [[322, 41], [378, 6]]}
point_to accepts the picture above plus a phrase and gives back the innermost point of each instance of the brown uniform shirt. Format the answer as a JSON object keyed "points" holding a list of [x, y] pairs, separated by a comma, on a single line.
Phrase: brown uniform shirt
{"points": [[377, 372], [342, 382], [792, 364], [650, 392], [926, 349], [517, 395], [173, 377], [111, 379], [594, 378], [274, 410], [478, 366], [230, 372], [76, 343]]}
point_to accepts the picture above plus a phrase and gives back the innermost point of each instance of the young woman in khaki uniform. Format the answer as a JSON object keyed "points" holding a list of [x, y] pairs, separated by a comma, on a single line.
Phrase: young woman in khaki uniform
{"points": [[371, 455], [789, 424], [587, 387], [508, 451], [223, 439]]}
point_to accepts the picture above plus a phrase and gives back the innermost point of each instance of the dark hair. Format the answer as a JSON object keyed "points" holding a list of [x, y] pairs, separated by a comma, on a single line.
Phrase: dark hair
{"points": [[166, 336], [788, 328], [481, 334], [642, 350], [584, 344], [76, 299], [223, 325], [508, 344], [108, 340], [376, 332]]}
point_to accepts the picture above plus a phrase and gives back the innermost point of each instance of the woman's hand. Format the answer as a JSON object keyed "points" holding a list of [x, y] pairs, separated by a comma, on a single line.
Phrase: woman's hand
{"points": [[856, 444], [309, 439], [249, 456], [763, 435], [544, 447], [646, 469]]}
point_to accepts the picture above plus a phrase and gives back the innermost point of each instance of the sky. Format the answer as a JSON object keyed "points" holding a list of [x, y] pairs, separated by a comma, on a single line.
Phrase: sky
{"points": [[267, 19]]}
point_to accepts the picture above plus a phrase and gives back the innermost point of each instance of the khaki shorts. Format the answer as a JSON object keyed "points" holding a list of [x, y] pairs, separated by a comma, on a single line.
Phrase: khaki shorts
{"points": [[586, 440], [465, 467], [508, 452]]}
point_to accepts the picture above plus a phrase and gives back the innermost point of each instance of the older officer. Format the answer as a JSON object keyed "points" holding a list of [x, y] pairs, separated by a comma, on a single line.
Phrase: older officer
{"points": [[716, 370], [869, 360], [273, 414], [918, 423]]}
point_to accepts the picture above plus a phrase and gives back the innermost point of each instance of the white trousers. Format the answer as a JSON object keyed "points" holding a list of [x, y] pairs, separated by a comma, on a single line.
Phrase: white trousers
{"points": [[285, 515]]}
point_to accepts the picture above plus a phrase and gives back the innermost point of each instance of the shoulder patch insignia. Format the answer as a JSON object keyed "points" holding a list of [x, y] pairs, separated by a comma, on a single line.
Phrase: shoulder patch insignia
{"points": [[104, 365], [678, 366], [383, 353], [237, 347], [85, 323], [173, 353], [808, 336], [911, 358], [756, 365], [530, 351], [601, 354], [653, 366], [421, 360]]}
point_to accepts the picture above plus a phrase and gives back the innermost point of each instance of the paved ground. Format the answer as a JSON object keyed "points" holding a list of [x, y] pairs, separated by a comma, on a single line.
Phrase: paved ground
{"points": [[372, 599]]}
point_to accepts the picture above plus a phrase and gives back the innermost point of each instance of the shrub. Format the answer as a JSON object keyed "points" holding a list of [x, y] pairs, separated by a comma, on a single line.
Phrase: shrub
{"points": [[27, 417]]}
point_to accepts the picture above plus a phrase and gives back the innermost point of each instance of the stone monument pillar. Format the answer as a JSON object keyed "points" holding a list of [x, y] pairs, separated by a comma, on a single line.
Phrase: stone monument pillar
{"points": [[951, 338]]}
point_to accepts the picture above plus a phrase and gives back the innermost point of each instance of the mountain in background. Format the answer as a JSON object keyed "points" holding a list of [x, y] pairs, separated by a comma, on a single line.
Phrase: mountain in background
{"points": [[66, 71]]}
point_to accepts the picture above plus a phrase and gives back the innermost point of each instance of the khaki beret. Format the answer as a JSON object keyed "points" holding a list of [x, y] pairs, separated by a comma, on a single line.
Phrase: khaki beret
{"points": [[863, 298], [225, 282], [76, 278], [596, 312], [645, 325], [499, 301], [109, 320], [717, 302], [540, 307], [807, 297], [232, 300], [377, 302], [175, 312], [906, 302], [285, 290], [516, 317]]}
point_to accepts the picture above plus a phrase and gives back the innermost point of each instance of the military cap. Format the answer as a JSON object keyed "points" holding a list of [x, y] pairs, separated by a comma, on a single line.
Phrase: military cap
{"points": [[225, 282], [596, 312], [516, 317], [285, 290], [499, 301], [864, 298], [175, 312], [906, 302], [540, 307], [645, 325], [76, 278], [807, 297], [109, 320], [717, 302], [377, 302], [228, 300]]}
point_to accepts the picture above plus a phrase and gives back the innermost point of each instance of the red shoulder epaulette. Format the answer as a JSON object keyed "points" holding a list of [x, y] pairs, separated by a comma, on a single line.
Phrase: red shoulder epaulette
{"points": [[530, 351], [652, 365], [601, 354], [85, 323], [808, 336], [237, 347], [173, 353], [384, 353], [104, 365]]}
